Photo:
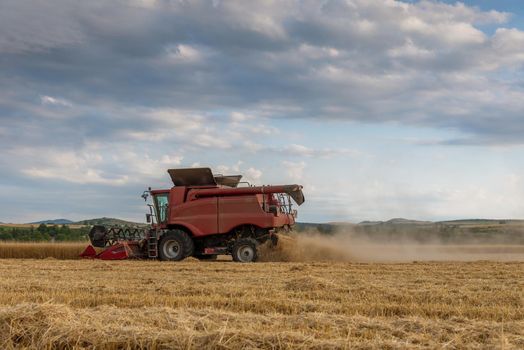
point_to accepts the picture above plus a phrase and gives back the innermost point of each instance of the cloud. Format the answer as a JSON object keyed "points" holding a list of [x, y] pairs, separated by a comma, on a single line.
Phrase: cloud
{"points": [[295, 170], [299, 150], [37, 27], [304, 151], [183, 54], [240, 117], [74, 167], [112, 93], [425, 63], [251, 174], [113, 165], [55, 101], [381, 198]]}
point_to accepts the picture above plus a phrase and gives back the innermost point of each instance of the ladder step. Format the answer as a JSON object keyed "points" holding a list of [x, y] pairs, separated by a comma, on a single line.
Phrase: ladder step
{"points": [[152, 247]]}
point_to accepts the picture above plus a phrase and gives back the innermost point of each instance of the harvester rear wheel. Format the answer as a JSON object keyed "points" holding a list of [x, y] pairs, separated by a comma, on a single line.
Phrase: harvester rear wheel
{"points": [[175, 245], [245, 250]]}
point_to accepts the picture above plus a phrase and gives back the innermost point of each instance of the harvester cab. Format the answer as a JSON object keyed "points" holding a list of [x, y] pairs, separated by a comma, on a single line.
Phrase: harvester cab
{"points": [[203, 215], [160, 206]]}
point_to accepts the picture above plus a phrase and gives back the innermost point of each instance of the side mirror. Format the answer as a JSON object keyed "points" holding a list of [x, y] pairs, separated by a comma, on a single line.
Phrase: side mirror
{"points": [[148, 218]]}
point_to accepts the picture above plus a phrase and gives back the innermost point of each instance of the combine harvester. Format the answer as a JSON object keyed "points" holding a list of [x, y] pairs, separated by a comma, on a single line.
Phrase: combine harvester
{"points": [[203, 215]]}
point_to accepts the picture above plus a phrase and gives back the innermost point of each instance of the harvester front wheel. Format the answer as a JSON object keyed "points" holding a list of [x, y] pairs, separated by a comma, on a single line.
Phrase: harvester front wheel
{"points": [[175, 245], [245, 250]]}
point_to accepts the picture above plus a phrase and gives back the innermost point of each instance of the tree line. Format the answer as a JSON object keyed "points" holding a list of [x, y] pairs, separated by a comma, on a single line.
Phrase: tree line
{"points": [[43, 232]]}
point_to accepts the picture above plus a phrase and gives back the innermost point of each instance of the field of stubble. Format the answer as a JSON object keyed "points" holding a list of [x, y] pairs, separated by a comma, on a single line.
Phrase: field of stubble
{"points": [[147, 304]]}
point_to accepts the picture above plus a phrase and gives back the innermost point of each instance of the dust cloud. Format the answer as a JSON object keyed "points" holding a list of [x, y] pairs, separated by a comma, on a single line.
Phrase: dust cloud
{"points": [[344, 247]]}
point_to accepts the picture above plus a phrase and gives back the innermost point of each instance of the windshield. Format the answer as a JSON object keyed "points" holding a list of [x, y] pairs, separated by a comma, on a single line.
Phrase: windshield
{"points": [[161, 203]]}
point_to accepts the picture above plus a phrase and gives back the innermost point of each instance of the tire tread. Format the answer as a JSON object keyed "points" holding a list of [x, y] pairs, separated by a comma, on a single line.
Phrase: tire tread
{"points": [[185, 239]]}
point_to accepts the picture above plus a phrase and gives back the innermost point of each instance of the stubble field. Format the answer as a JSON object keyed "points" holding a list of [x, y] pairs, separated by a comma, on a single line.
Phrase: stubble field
{"points": [[53, 303]]}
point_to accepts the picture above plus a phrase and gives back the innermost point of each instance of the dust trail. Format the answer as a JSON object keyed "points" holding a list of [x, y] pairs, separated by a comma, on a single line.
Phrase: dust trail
{"points": [[344, 247]]}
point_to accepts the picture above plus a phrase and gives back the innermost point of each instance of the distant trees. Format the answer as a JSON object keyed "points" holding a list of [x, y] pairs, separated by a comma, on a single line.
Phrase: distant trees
{"points": [[43, 233]]}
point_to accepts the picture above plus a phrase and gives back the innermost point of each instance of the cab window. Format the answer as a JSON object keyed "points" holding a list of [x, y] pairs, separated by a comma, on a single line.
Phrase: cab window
{"points": [[161, 202]]}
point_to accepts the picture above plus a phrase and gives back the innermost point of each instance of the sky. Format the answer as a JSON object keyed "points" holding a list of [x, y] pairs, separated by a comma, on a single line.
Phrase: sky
{"points": [[379, 108]]}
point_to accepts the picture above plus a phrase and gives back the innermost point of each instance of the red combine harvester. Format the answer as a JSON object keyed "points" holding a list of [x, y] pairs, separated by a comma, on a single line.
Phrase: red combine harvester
{"points": [[203, 215]]}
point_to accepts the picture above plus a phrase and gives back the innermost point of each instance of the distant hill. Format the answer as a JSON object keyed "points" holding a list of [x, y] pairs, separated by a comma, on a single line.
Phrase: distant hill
{"points": [[107, 222], [370, 222], [52, 222], [402, 221], [396, 221], [481, 222]]}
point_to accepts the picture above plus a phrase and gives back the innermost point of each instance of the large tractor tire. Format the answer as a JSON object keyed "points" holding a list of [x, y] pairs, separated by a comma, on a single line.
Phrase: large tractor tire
{"points": [[175, 245], [245, 250]]}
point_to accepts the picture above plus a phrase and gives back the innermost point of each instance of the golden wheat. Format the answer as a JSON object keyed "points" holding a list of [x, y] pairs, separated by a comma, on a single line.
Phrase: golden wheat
{"points": [[193, 304], [39, 250]]}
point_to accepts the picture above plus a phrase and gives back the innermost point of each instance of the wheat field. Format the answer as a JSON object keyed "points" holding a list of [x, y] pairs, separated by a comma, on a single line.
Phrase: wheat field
{"points": [[41, 250], [66, 304]]}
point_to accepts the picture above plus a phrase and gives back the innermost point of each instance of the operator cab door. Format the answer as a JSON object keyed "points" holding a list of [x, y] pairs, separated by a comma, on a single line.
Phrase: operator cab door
{"points": [[162, 205]]}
